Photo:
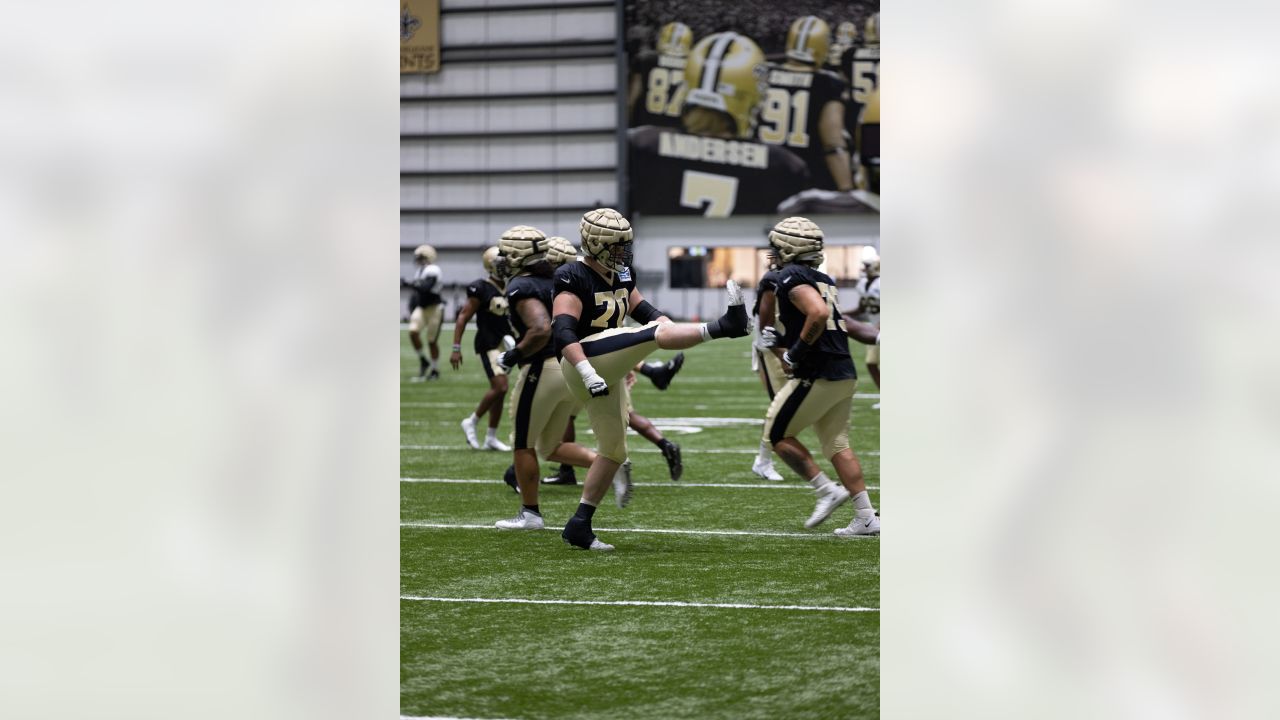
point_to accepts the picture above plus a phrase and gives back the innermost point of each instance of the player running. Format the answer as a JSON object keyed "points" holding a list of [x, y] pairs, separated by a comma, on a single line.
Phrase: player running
{"points": [[487, 303], [541, 404], [820, 391], [593, 298], [766, 360], [426, 309]]}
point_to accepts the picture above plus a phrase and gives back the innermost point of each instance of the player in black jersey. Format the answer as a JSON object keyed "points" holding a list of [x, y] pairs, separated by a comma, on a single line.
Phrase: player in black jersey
{"points": [[486, 302], [860, 65], [767, 361], [714, 168], [540, 403], [426, 310], [593, 299], [820, 391], [804, 108], [656, 93]]}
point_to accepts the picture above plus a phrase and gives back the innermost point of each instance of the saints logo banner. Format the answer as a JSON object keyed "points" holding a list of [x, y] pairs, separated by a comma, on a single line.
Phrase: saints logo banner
{"points": [[419, 36]]}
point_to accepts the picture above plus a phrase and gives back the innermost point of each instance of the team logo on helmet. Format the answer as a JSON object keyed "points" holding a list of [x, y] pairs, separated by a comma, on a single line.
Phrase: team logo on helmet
{"points": [[809, 40], [727, 72], [523, 246], [675, 38], [607, 237], [797, 240]]}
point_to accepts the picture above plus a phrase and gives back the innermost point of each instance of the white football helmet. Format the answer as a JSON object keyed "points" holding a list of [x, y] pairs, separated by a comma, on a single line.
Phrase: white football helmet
{"points": [[424, 255], [871, 261], [607, 237], [797, 240], [523, 246]]}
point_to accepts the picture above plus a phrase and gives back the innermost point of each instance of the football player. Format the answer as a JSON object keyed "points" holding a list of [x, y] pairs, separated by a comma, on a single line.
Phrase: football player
{"points": [[656, 93], [868, 291], [846, 37], [487, 302], [593, 298], [766, 360], [861, 68], [820, 391], [426, 309], [541, 404], [804, 108], [715, 168], [869, 144]]}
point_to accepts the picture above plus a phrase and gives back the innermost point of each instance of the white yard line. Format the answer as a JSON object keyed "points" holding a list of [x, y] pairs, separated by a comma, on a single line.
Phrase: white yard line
{"points": [[659, 531], [440, 717], [642, 603], [685, 450], [747, 486]]}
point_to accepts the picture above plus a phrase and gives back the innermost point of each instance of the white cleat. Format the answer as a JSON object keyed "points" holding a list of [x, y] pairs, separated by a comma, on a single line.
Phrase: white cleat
{"points": [[828, 501], [508, 343], [735, 293], [524, 520], [876, 406], [860, 526], [469, 429], [622, 486], [493, 443], [766, 470], [600, 546]]}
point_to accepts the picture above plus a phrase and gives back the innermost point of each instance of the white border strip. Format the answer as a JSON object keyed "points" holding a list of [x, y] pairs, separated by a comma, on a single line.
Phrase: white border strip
{"points": [[659, 531], [748, 486], [642, 603]]}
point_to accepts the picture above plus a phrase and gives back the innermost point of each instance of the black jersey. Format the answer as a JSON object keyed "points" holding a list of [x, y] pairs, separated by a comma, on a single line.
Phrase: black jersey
{"points": [[491, 317], [426, 287], [523, 287], [829, 357], [792, 113], [679, 174], [768, 283], [861, 65], [606, 301], [662, 91]]}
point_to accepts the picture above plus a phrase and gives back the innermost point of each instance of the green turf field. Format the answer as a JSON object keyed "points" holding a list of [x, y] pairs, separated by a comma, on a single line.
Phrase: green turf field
{"points": [[509, 659]]}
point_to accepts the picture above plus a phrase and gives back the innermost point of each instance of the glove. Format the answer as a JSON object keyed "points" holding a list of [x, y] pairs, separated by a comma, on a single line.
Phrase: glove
{"points": [[767, 338], [509, 359], [595, 384]]}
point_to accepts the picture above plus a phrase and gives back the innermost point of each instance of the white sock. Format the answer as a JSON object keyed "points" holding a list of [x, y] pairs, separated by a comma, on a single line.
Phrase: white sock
{"points": [[706, 334], [585, 501], [862, 503], [473, 419], [766, 453], [820, 482], [493, 434]]}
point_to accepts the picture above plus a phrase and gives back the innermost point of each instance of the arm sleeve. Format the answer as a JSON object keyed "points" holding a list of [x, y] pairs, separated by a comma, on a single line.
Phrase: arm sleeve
{"points": [[564, 328]]}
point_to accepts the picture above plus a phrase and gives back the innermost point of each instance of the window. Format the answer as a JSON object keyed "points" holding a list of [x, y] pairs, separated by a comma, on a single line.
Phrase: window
{"points": [[703, 267]]}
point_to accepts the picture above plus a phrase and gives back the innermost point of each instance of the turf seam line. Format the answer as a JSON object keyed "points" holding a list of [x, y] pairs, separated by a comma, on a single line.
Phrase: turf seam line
{"points": [[642, 603], [749, 486]]}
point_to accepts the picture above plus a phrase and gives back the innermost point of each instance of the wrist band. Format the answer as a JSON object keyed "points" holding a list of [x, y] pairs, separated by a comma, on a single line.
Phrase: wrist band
{"points": [[457, 347]]}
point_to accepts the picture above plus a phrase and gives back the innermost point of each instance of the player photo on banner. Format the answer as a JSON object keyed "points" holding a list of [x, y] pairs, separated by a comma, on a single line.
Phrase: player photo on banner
{"points": [[753, 107]]}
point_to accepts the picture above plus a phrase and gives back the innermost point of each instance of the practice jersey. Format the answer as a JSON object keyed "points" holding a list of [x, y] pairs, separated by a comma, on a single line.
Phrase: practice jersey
{"points": [[426, 287], [768, 283], [829, 358], [606, 302], [523, 287], [491, 318], [662, 91], [679, 174], [792, 112], [868, 293]]}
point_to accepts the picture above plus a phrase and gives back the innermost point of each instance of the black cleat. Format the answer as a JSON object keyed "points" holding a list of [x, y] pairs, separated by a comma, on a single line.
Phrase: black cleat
{"points": [[509, 477], [434, 375], [561, 478], [423, 365], [671, 453], [661, 375]]}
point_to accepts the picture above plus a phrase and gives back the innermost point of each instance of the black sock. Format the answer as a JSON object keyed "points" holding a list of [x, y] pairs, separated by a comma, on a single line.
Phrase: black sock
{"points": [[665, 445], [566, 469], [646, 370], [532, 508], [585, 511]]}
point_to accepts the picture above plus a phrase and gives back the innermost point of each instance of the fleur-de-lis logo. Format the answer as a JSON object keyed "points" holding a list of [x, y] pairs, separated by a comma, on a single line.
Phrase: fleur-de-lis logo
{"points": [[408, 23]]}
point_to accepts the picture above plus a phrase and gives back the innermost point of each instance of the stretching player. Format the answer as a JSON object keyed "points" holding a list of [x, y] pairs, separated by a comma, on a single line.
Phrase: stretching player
{"points": [[541, 403], [820, 391], [593, 299], [485, 300], [868, 291], [426, 309]]}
